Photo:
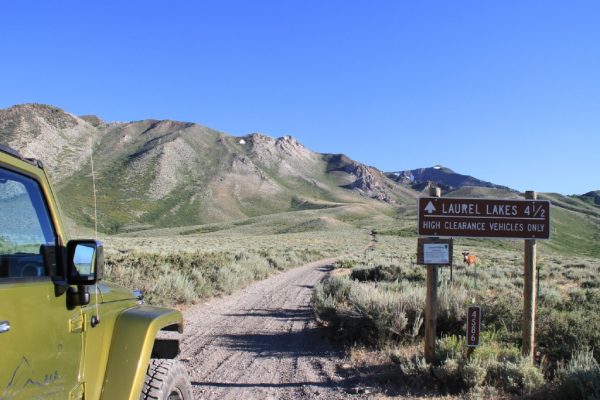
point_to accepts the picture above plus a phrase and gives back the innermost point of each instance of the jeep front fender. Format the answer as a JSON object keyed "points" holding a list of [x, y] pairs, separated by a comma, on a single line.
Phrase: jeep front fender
{"points": [[131, 347]]}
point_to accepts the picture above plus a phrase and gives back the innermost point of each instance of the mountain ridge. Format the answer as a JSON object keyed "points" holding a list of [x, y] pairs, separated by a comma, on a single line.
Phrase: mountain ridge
{"points": [[155, 173]]}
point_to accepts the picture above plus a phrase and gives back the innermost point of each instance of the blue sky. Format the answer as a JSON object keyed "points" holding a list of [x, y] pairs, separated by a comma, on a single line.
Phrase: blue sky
{"points": [[507, 91]]}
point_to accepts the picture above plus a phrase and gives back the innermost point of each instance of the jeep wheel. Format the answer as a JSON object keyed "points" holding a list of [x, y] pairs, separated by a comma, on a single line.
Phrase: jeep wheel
{"points": [[166, 380]]}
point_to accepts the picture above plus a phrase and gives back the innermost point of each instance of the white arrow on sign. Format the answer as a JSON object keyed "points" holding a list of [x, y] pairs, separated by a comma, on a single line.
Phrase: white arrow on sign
{"points": [[430, 208]]}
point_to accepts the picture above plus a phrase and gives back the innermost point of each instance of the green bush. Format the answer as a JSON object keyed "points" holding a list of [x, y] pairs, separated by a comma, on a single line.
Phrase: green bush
{"points": [[518, 377], [382, 312], [345, 263], [563, 333], [371, 313], [376, 274], [449, 373], [324, 305], [414, 366], [580, 379], [491, 364], [452, 309], [503, 312], [473, 373]]}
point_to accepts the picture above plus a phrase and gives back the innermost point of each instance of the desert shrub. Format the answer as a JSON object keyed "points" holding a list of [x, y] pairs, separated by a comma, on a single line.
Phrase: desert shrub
{"points": [[519, 376], [549, 297], [449, 373], [449, 348], [375, 274], [503, 312], [452, 303], [414, 366], [381, 311], [580, 379], [345, 263], [576, 266], [371, 313], [324, 305], [338, 287], [562, 333], [492, 364], [414, 274], [472, 373], [172, 288], [590, 284]]}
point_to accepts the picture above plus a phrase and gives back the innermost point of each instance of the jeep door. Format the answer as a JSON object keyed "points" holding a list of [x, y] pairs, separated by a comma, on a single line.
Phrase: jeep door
{"points": [[40, 338]]}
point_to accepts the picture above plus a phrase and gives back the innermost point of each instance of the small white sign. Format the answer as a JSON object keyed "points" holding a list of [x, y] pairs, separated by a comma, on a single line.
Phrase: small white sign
{"points": [[436, 253]]}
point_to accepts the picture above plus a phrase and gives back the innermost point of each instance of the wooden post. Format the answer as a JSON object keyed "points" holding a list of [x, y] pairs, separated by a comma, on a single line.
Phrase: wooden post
{"points": [[529, 292], [431, 300]]}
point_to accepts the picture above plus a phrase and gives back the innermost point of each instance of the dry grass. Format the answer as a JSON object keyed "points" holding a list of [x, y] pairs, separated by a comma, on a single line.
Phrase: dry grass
{"points": [[184, 269]]}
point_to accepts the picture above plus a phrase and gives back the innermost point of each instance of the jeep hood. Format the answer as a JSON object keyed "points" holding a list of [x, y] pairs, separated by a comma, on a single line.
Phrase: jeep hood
{"points": [[111, 292]]}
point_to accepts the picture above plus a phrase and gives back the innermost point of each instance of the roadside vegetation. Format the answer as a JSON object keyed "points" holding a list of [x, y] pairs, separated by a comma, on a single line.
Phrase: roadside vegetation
{"points": [[185, 268], [374, 303]]}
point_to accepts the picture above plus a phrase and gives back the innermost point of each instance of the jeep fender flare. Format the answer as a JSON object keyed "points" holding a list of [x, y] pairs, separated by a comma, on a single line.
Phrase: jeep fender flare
{"points": [[131, 347]]}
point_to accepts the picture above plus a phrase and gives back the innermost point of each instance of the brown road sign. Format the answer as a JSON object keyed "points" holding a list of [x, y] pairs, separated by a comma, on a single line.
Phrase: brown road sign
{"points": [[485, 218]]}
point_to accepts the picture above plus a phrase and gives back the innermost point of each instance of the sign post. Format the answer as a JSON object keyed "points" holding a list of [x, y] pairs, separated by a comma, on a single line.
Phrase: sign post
{"points": [[529, 290], [431, 300]]}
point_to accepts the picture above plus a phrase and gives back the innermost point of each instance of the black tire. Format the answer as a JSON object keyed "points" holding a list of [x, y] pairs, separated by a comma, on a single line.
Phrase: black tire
{"points": [[166, 380]]}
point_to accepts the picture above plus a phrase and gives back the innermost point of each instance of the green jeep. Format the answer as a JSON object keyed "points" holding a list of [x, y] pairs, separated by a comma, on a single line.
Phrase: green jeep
{"points": [[63, 334]]}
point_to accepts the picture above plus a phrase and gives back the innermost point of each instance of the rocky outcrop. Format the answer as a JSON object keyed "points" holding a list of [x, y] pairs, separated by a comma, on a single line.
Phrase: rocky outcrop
{"points": [[367, 181]]}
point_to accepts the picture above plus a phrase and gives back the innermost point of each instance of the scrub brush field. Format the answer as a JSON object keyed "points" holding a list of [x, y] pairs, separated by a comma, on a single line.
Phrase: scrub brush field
{"points": [[374, 304]]}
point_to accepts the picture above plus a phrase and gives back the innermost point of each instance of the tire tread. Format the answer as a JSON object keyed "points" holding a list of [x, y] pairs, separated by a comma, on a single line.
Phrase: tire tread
{"points": [[161, 375]]}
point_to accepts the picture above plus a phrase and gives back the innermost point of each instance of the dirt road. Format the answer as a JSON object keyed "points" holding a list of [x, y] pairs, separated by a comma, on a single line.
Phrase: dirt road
{"points": [[262, 343]]}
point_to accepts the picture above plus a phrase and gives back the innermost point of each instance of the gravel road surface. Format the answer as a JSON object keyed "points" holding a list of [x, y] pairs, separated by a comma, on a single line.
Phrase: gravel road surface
{"points": [[262, 343]]}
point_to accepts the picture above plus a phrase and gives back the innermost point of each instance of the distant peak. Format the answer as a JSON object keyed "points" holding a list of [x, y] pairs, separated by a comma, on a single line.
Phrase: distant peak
{"points": [[444, 177]]}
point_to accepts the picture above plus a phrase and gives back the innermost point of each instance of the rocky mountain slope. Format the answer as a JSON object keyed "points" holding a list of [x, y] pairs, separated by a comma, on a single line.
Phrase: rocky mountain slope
{"points": [[154, 173], [447, 179]]}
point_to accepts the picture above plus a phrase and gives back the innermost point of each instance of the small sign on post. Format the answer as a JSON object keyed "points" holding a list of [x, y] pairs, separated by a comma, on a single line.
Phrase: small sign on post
{"points": [[433, 251], [473, 325]]}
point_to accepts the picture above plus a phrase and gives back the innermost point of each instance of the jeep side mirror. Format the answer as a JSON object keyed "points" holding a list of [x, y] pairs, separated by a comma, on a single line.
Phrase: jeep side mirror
{"points": [[85, 262]]}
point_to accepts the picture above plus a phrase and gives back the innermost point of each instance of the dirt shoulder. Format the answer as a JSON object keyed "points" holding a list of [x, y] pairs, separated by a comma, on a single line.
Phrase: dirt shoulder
{"points": [[263, 343]]}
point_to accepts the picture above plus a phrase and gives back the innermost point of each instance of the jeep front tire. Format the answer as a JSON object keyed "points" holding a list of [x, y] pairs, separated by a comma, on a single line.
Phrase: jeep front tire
{"points": [[166, 380]]}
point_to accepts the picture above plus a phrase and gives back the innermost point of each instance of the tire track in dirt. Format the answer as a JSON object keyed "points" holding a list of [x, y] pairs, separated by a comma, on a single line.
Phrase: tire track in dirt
{"points": [[263, 343]]}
